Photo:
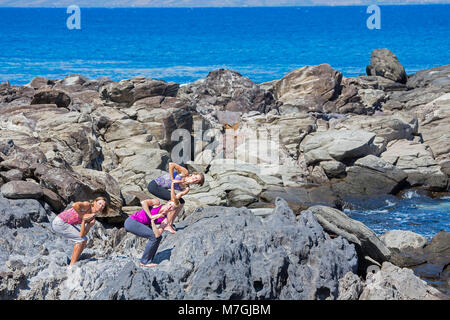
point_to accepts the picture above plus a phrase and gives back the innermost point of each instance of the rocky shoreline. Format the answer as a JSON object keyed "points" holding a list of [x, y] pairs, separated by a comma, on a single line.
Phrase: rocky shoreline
{"points": [[276, 227]]}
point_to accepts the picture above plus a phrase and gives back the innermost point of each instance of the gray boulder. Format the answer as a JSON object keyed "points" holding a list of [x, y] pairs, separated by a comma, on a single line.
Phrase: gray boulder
{"points": [[435, 77], [52, 96], [128, 91], [365, 240], [217, 253], [226, 90], [241, 257], [11, 175], [405, 246], [384, 63], [350, 287], [333, 168], [394, 283], [300, 198], [401, 239], [308, 88], [337, 145], [21, 213], [370, 176], [21, 190], [417, 161]]}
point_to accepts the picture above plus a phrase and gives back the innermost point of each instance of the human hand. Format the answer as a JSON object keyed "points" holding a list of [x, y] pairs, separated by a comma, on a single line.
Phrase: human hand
{"points": [[88, 217], [156, 216]]}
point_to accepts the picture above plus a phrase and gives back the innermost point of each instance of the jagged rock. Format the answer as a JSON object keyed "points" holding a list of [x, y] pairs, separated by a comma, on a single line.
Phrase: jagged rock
{"points": [[434, 120], [71, 138], [21, 190], [86, 101], [417, 161], [373, 82], [20, 213], [350, 287], [370, 175], [217, 253], [308, 88], [337, 145], [434, 77], [333, 169], [384, 63], [122, 129], [394, 283], [365, 240], [53, 200], [52, 96], [11, 175], [437, 256], [102, 184], [40, 83], [209, 275], [405, 246], [20, 158], [163, 120], [226, 90], [387, 127], [14, 95], [80, 185], [130, 90], [401, 239]]}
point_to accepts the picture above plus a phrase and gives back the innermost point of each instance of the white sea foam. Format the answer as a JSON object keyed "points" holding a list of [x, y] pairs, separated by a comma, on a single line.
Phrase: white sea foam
{"points": [[410, 194], [390, 203]]}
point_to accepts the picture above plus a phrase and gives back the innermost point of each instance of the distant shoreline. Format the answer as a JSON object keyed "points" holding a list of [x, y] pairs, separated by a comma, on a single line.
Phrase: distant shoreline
{"points": [[224, 7]]}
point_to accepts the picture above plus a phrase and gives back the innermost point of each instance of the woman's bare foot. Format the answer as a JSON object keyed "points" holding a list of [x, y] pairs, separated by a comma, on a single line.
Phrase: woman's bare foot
{"points": [[170, 229], [150, 265]]}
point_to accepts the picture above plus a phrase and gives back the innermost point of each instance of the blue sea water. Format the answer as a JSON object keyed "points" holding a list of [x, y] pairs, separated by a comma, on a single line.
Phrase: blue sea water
{"points": [[412, 211], [184, 44]]}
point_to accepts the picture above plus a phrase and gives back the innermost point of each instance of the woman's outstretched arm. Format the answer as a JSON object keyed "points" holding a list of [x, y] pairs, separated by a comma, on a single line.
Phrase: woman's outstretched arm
{"points": [[82, 207], [181, 170]]}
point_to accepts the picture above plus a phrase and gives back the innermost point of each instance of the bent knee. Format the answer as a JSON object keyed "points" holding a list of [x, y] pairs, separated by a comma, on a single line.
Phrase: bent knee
{"points": [[83, 241]]}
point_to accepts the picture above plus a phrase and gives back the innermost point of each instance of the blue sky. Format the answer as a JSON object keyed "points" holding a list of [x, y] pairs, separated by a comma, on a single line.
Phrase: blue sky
{"points": [[202, 3]]}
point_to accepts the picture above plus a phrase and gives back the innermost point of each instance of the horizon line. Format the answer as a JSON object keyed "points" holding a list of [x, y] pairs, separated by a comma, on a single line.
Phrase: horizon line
{"points": [[231, 6]]}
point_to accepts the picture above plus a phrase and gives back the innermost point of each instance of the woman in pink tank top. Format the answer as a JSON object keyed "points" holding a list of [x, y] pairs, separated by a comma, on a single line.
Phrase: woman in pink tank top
{"points": [[144, 224], [83, 214]]}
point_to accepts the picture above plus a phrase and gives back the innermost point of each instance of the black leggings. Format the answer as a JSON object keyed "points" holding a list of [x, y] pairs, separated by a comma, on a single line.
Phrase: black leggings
{"points": [[160, 192]]}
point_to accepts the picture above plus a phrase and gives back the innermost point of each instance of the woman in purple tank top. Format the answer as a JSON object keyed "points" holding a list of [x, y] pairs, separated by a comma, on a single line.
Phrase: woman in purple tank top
{"points": [[178, 176], [150, 222]]}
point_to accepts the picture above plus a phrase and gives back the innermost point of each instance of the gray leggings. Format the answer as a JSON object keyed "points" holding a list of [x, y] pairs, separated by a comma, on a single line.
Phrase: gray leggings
{"points": [[142, 230], [67, 231]]}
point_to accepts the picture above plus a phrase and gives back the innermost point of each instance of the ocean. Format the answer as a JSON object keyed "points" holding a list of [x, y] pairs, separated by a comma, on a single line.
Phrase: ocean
{"points": [[184, 44]]}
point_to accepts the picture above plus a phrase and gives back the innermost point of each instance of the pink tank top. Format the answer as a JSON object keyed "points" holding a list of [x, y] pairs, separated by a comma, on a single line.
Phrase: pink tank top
{"points": [[70, 216], [142, 217]]}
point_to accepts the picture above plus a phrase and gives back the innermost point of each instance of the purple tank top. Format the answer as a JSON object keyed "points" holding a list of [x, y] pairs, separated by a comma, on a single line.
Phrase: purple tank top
{"points": [[165, 182], [142, 217]]}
